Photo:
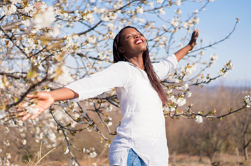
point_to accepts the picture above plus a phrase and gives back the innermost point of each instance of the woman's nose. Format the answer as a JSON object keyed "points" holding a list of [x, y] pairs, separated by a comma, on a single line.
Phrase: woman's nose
{"points": [[136, 36]]}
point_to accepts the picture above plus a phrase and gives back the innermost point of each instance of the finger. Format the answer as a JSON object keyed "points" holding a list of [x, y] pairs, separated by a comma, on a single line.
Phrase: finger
{"points": [[22, 113], [26, 117], [31, 96], [198, 31], [22, 106], [36, 115]]}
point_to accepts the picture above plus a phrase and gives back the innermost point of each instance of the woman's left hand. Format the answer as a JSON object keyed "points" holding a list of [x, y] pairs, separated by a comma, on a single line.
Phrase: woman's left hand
{"points": [[194, 38]]}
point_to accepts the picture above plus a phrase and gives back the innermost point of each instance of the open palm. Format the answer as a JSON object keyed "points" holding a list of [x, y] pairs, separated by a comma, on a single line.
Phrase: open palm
{"points": [[43, 101], [194, 37]]}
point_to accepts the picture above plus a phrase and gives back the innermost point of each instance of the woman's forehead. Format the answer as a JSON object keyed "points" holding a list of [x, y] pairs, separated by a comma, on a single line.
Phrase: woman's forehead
{"points": [[129, 31]]}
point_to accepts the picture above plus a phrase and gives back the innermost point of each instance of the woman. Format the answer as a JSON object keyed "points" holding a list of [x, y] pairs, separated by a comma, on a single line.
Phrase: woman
{"points": [[141, 138]]}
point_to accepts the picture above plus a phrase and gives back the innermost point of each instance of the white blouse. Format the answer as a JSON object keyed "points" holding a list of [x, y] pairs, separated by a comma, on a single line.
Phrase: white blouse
{"points": [[142, 127]]}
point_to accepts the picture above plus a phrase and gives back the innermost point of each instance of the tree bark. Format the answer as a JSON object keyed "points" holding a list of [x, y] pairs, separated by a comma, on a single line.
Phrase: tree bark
{"points": [[200, 153], [245, 147]]}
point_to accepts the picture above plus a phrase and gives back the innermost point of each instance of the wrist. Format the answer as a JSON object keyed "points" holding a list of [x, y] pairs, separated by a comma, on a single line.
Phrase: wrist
{"points": [[189, 47], [53, 97]]}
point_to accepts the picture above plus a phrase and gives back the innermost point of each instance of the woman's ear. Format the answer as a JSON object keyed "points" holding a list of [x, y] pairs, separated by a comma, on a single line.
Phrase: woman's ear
{"points": [[121, 50]]}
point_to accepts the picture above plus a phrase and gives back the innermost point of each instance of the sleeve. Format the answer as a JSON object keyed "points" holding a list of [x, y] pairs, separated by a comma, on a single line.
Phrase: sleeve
{"points": [[164, 67], [116, 75]]}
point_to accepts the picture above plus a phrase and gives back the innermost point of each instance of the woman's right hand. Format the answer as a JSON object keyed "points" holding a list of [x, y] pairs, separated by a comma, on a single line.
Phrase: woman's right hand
{"points": [[42, 100]]}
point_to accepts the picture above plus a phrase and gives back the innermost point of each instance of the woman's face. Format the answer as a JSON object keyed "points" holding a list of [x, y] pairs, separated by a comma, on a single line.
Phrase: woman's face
{"points": [[132, 42]]}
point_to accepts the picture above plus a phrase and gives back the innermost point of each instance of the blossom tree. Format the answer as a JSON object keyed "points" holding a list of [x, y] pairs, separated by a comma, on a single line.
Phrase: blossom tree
{"points": [[44, 46]]}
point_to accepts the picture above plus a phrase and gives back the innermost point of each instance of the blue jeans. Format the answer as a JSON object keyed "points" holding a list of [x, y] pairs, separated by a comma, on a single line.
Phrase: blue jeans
{"points": [[134, 160]]}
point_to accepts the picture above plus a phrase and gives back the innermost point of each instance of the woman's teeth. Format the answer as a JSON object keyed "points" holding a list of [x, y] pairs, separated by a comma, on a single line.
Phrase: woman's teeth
{"points": [[139, 41]]}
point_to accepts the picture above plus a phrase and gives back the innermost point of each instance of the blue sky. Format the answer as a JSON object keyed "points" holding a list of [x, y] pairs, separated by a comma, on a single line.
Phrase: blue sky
{"points": [[215, 23]]}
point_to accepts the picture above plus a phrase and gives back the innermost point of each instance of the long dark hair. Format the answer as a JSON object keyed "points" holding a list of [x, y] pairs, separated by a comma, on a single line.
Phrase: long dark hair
{"points": [[117, 56]]}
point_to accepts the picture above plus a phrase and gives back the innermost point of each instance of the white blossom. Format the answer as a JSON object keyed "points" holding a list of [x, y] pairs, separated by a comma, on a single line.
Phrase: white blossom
{"points": [[15, 1], [8, 156], [6, 129], [162, 11], [188, 94], [73, 163], [185, 87], [172, 98], [196, 20], [222, 73], [140, 10], [92, 154], [185, 24], [6, 162], [9, 10], [65, 78], [178, 11], [32, 110], [160, 1], [151, 4], [210, 0], [2, 113], [67, 150], [178, 2], [213, 58], [24, 141], [247, 99], [181, 101], [44, 19], [6, 143], [229, 66], [175, 22], [196, 11], [199, 119]]}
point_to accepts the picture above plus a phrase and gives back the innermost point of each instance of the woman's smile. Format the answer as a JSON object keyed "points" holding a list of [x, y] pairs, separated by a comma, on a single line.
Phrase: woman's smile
{"points": [[139, 41]]}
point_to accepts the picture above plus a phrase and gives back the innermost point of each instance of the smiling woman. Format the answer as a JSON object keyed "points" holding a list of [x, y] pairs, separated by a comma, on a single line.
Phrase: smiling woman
{"points": [[136, 81], [129, 45]]}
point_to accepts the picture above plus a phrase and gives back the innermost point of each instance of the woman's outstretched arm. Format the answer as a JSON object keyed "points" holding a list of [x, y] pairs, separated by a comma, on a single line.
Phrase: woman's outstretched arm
{"points": [[116, 75], [45, 99], [182, 52]]}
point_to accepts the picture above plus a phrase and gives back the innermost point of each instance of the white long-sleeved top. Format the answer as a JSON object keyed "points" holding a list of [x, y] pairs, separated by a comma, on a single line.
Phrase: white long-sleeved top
{"points": [[142, 127]]}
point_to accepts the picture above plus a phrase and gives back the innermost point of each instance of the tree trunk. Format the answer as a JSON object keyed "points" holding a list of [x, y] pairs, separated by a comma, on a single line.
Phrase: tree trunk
{"points": [[200, 153], [245, 147], [237, 153]]}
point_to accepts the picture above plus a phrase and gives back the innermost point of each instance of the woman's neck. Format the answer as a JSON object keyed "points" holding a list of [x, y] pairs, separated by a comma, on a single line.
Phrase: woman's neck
{"points": [[137, 60]]}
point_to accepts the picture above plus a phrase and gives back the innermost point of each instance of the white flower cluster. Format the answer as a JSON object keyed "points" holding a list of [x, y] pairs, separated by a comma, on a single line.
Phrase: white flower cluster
{"points": [[65, 78], [139, 10], [178, 2], [162, 11], [108, 121], [175, 22], [2, 114], [160, 1], [188, 70], [191, 22], [229, 66], [32, 110], [73, 163], [45, 19], [180, 101], [9, 9], [167, 109], [213, 58], [222, 72], [247, 100], [178, 11], [91, 153], [199, 119]]}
